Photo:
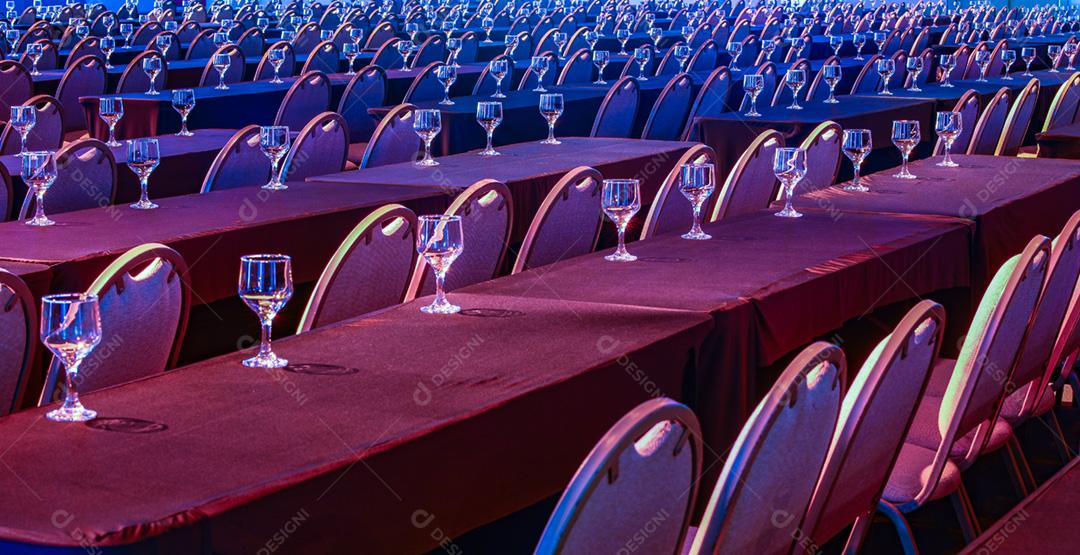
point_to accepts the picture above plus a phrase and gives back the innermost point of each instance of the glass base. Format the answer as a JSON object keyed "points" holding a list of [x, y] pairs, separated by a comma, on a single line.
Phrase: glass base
{"points": [[444, 307], [1028, 74], [350, 72], [183, 134], [860, 188], [600, 82], [446, 103], [914, 89], [222, 87], [794, 107], [277, 81], [885, 93], [143, 205], [498, 95], [620, 257], [40, 222], [490, 152], [275, 186], [114, 143], [153, 93], [830, 101], [540, 90], [1007, 78], [642, 78], [75, 413], [948, 85], [904, 174], [753, 114], [947, 164], [551, 142], [789, 213], [698, 236], [269, 360], [427, 162]]}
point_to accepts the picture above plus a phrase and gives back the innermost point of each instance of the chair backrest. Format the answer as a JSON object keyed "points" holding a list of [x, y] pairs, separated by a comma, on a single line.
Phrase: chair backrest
{"points": [[202, 46], [135, 80], [711, 100], [366, 90], [146, 32], [387, 56], [48, 131], [669, 114], [997, 67], [669, 64], [670, 211], [819, 89], [174, 49], [393, 140], [470, 46], [530, 78], [16, 87], [188, 31], [487, 214], [425, 86], [773, 466], [307, 38], [18, 339], [85, 178], [308, 97], [379, 36], [782, 95], [144, 299], [567, 224], [324, 57], [90, 46], [968, 106], [705, 58], [49, 57], [578, 68], [987, 132], [369, 271], [321, 148], [251, 41], [751, 185], [615, 118], [85, 77], [875, 417], [485, 84], [265, 70], [972, 69], [822, 147], [1018, 121], [432, 50], [1063, 108], [240, 163], [647, 464], [235, 72]]}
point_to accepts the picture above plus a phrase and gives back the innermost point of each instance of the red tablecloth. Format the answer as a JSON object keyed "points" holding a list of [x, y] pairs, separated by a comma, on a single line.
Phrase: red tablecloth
{"points": [[36, 276]]}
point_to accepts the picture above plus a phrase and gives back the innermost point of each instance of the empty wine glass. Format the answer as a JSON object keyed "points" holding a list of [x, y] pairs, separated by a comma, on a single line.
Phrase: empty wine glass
{"points": [[274, 141], [127, 29], [905, 135], [879, 40], [427, 125], [753, 84], [1054, 52], [487, 24], [489, 115], [620, 199], [885, 69], [152, 67], [982, 58], [946, 62], [36, 50], [163, 43], [276, 56], [539, 66], [221, 62], [107, 45], [511, 42], [405, 49], [1029, 54], [832, 75], [948, 125], [440, 240], [111, 111], [795, 79], [687, 32], [623, 36], [560, 38], [656, 34], [642, 55], [265, 285], [859, 40], [454, 47], [1070, 49], [143, 157], [600, 59], [551, 107], [836, 42], [1008, 57], [23, 119], [769, 46], [446, 74], [498, 68], [356, 35], [70, 329], [789, 166], [183, 101], [262, 23], [735, 49], [351, 51], [682, 54], [857, 144], [39, 173], [914, 66], [697, 183]]}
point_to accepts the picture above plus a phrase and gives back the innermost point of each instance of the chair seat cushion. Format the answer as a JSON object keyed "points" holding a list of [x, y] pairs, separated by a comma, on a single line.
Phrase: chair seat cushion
{"points": [[911, 472], [925, 432], [1010, 411], [939, 377], [356, 153]]}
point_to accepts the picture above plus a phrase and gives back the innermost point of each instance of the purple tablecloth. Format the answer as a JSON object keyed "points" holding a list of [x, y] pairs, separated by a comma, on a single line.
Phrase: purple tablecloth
{"points": [[1063, 142]]}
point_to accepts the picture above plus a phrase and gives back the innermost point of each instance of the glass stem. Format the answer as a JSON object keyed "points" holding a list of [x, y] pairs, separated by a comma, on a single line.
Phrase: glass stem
{"points": [[446, 94], [489, 133], [71, 391], [183, 123], [904, 169], [264, 343], [551, 131], [275, 179], [427, 149], [855, 180], [948, 147], [23, 138], [143, 184], [276, 69], [621, 249], [440, 293], [696, 228], [112, 132], [39, 204], [789, 191]]}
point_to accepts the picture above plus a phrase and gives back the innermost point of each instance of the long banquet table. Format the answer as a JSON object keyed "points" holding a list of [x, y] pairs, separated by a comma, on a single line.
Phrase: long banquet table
{"points": [[1063, 142]]}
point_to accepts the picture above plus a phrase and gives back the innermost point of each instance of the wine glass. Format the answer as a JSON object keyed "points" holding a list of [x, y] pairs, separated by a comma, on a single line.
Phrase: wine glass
{"points": [[769, 46], [127, 29], [265, 286], [948, 125], [1070, 49], [356, 34], [1008, 57], [914, 66], [36, 50], [1029, 55], [152, 67], [753, 84], [946, 62], [551, 107], [489, 115], [832, 75], [221, 39], [982, 57], [620, 199], [539, 65], [351, 51], [560, 38], [498, 68], [857, 144], [1054, 52], [454, 46], [274, 141], [687, 32], [107, 45], [23, 119], [405, 49], [600, 59], [143, 156], [591, 38], [427, 125], [696, 184], [183, 101], [656, 34], [795, 79], [642, 55], [109, 20], [39, 173], [623, 36], [70, 329], [905, 135], [440, 241], [487, 24], [262, 23], [276, 56], [111, 110], [859, 40], [511, 42], [221, 62], [735, 49], [163, 43], [879, 40], [885, 69], [789, 166], [446, 74], [836, 42], [413, 30]]}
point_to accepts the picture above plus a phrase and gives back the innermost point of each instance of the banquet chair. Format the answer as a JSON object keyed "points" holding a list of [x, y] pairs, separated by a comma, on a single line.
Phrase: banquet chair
{"points": [[822, 148], [567, 224], [324, 57], [367, 89], [868, 81], [369, 271], [48, 131], [393, 140], [16, 86], [487, 215], [48, 59], [265, 70], [188, 31], [380, 35], [341, 35], [669, 64], [790, 429], [751, 185], [669, 114], [631, 68], [27, 16], [711, 100], [669, 211], [235, 72], [971, 71], [321, 148], [174, 51], [86, 47], [85, 178], [615, 117], [997, 67], [240, 163], [425, 87], [251, 41], [135, 80], [576, 42], [899, 77], [485, 84], [546, 42], [647, 464], [202, 46], [432, 50], [782, 95], [387, 56], [1018, 120], [968, 106], [530, 78], [987, 131], [705, 57], [307, 38], [145, 33], [578, 69], [818, 90], [875, 416], [956, 416], [308, 97], [922, 42], [470, 45], [85, 77], [143, 298], [1063, 108], [18, 339]]}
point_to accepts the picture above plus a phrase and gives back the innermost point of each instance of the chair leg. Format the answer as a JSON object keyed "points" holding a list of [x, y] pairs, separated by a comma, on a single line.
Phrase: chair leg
{"points": [[858, 533], [965, 514], [1064, 451], [903, 530], [1019, 470]]}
